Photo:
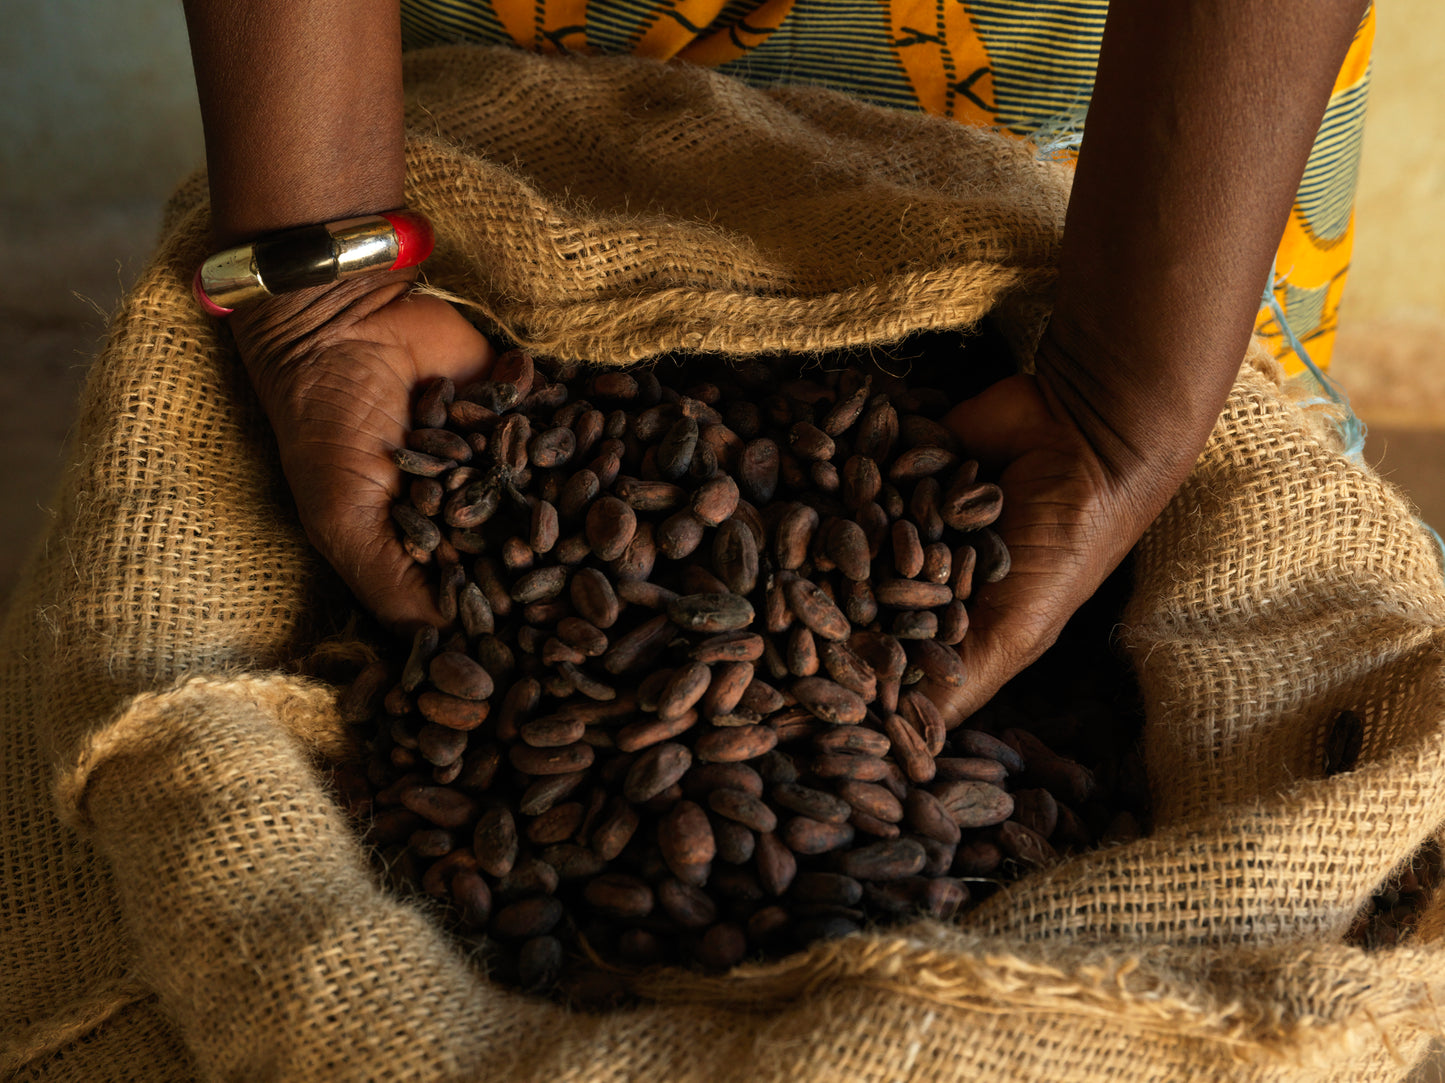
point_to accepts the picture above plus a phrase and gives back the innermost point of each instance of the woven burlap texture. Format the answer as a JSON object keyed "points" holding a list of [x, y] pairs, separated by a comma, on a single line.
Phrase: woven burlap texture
{"points": [[181, 897]]}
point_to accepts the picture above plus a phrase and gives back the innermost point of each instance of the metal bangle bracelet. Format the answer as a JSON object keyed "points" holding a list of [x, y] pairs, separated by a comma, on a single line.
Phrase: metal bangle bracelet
{"points": [[295, 259]]}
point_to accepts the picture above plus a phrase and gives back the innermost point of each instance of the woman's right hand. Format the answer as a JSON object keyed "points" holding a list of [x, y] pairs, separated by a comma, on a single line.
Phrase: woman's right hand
{"points": [[337, 371]]}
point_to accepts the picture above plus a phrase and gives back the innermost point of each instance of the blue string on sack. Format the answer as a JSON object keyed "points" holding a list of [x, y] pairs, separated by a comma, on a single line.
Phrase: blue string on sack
{"points": [[1350, 427]]}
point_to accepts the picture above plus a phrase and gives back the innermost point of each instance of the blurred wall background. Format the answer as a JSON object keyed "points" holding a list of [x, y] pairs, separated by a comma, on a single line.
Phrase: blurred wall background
{"points": [[1391, 352], [99, 122]]}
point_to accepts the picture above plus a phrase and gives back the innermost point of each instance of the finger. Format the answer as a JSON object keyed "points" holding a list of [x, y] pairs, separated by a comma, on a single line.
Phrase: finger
{"points": [[399, 592], [1003, 638], [1001, 422], [361, 542]]}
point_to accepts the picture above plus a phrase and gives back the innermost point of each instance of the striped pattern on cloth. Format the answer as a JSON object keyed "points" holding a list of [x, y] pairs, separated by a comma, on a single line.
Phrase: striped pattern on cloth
{"points": [[1024, 66]]}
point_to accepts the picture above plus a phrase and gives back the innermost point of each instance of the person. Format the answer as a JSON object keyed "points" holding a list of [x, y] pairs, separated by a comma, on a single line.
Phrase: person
{"points": [[1201, 122]]}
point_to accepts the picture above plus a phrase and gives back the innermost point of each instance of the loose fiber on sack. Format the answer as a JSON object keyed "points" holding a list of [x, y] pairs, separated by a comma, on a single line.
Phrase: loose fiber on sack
{"points": [[181, 898]]}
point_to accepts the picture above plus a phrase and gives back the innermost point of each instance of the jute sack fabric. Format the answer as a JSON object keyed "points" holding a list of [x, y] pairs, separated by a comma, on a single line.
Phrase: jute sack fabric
{"points": [[181, 898]]}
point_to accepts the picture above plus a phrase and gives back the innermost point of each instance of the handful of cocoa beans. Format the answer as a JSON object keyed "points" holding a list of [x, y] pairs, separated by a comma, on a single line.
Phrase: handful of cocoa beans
{"points": [[677, 716]]}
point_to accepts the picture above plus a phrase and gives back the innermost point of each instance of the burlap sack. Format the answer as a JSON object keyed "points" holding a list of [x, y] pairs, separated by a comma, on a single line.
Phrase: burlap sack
{"points": [[181, 897]]}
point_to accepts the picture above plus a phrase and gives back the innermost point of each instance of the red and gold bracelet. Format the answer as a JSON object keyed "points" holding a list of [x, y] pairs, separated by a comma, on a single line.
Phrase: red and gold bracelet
{"points": [[295, 259]]}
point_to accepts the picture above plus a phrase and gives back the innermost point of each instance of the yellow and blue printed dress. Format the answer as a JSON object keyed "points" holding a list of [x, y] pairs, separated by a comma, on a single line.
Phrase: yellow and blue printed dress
{"points": [[1026, 66]]}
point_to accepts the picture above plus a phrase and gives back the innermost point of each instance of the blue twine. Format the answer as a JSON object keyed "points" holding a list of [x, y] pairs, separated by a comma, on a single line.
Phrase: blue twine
{"points": [[1351, 429], [1060, 135]]}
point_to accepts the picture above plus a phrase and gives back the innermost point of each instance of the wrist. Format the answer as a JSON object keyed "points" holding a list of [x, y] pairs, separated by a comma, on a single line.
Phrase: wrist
{"points": [[1143, 420]]}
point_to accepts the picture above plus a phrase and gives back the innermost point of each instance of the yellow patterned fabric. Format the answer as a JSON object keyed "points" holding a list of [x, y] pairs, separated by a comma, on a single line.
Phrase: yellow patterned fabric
{"points": [[1024, 66]]}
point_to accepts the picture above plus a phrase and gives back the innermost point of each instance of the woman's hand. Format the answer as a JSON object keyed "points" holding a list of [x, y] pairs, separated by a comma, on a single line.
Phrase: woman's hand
{"points": [[337, 374], [1069, 518]]}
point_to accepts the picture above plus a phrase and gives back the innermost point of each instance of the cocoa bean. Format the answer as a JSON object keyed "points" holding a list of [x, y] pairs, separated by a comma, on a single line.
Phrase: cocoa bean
{"points": [[674, 453], [911, 594], [443, 807], [689, 906], [430, 411], [646, 732], [639, 647], [977, 858], [729, 647], [907, 549], [743, 807], [710, 613], [802, 652], [920, 462], [610, 527], [972, 742], [974, 804], [723, 946], [909, 749], [847, 546], [421, 464], [776, 865], [829, 701], [715, 500], [811, 605], [859, 483], [439, 443], [735, 843], [734, 743], [804, 835], [1037, 810], [458, 675], [544, 793], [877, 432], [927, 815], [426, 495], [620, 895], [846, 410], [679, 535], [441, 745], [684, 689], [847, 668], [615, 828], [977, 768], [852, 739], [655, 770], [686, 840], [650, 496], [556, 824], [870, 798], [451, 711], [423, 533], [530, 917], [952, 624], [551, 761], [728, 682], [924, 716], [848, 765], [941, 665], [760, 698], [706, 777], [809, 802], [993, 556], [893, 859], [1026, 846], [551, 731], [757, 470]]}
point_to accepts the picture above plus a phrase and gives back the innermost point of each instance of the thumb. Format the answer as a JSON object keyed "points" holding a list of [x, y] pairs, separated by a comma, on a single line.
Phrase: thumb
{"points": [[360, 540], [1007, 632]]}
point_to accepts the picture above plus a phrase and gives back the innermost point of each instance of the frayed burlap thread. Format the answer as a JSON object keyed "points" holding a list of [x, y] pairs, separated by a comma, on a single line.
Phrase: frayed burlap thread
{"points": [[182, 897]]}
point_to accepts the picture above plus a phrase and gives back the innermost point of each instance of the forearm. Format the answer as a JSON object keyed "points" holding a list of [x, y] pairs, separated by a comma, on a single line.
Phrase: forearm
{"points": [[302, 106], [1203, 117]]}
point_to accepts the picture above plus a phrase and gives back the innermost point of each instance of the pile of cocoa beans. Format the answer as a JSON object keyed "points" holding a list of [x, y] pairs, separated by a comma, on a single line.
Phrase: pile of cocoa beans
{"points": [[680, 712]]}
